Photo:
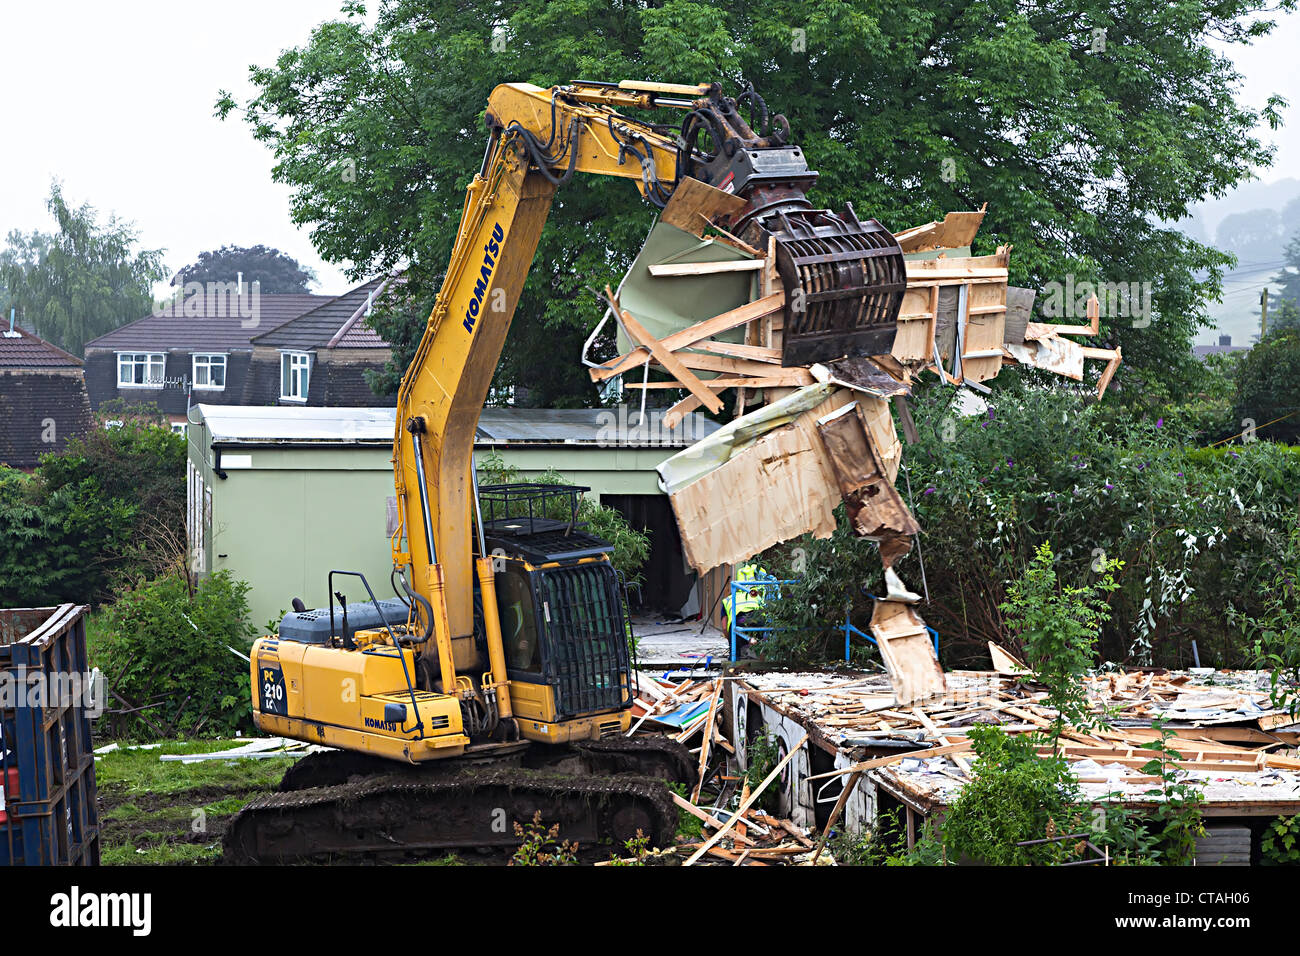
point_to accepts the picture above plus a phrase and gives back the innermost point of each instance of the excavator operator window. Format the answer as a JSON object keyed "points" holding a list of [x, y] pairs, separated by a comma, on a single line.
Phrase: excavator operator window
{"points": [[518, 621]]}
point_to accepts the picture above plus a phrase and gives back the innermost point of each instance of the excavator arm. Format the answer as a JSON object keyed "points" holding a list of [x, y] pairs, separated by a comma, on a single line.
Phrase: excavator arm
{"points": [[844, 281], [539, 138]]}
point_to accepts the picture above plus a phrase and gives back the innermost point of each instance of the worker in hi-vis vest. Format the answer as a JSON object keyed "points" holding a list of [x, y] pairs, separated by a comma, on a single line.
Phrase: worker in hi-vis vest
{"points": [[745, 605]]}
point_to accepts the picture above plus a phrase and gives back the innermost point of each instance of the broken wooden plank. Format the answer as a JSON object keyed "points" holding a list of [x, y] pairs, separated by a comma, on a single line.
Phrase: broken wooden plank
{"points": [[668, 269], [694, 204], [956, 230], [707, 817], [682, 338], [907, 651], [1006, 663], [727, 365], [755, 353], [840, 804], [670, 362], [1108, 373], [758, 792], [708, 739], [784, 378]]}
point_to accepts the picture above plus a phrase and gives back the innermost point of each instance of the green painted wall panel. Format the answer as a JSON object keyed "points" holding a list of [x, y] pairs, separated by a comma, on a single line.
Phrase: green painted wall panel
{"points": [[298, 513]]}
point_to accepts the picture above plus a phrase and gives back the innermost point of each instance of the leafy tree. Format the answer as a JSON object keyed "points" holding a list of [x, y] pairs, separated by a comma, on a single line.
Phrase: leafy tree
{"points": [[1268, 386], [111, 505], [1057, 625], [276, 271], [1081, 123], [1285, 317], [1288, 279], [86, 279]]}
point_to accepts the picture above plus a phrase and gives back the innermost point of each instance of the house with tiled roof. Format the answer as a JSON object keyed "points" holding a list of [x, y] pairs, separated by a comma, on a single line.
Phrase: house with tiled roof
{"points": [[200, 348], [43, 400], [321, 357]]}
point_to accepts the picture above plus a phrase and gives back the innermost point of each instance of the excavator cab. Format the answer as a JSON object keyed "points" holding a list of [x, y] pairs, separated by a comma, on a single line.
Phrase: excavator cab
{"points": [[562, 610]]}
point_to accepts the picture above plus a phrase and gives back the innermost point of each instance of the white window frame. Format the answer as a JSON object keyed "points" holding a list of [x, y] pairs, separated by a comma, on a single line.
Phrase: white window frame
{"points": [[209, 361], [149, 360], [295, 370]]}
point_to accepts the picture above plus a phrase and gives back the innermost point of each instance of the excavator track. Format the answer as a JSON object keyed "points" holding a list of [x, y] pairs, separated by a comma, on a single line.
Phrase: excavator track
{"points": [[649, 756], [331, 768], [409, 814]]}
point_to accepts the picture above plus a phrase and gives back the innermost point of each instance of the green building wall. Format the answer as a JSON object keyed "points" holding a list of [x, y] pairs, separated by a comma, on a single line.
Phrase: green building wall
{"points": [[294, 514]]}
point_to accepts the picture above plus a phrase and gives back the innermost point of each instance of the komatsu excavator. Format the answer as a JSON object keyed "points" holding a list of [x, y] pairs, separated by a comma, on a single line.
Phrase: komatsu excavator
{"points": [[498, 685]]}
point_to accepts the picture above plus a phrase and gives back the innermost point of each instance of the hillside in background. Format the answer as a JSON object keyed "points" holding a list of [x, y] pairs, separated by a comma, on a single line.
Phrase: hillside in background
{"points": [[1253, 222]]}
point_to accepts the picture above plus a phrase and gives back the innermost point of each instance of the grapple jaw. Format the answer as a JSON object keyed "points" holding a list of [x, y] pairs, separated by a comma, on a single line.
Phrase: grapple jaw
{"points": [[844, 278], [844, 282]]}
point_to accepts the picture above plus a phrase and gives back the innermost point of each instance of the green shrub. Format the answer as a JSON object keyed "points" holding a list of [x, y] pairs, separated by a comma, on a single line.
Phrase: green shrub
{"points": [[1057, 624], [167, 649], [110, 507], [1015, 796], [1268, 391], [1280, 845], [762, 756], [1177, 819]]}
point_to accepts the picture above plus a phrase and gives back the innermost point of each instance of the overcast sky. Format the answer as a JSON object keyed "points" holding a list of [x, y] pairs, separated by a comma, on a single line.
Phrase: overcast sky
{"points": [[115, 100]]}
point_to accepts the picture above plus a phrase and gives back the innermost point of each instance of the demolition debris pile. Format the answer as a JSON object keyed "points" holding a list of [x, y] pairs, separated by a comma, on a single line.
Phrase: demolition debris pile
{"points": [[711, 314]]}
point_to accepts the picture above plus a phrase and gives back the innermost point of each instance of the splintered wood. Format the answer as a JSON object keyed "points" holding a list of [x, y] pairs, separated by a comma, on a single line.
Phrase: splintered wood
{"points": [[1228, 737], [908, 652], [745, 837]]}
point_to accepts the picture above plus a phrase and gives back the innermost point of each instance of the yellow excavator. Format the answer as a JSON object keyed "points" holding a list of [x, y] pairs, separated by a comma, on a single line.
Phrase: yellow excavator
{"points": [[498, 683]]}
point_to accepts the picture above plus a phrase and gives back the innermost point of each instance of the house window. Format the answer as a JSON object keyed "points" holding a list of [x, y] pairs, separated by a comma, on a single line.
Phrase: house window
{"points": [[295, 370], [143, 369], [178, 428], [209, 371]]}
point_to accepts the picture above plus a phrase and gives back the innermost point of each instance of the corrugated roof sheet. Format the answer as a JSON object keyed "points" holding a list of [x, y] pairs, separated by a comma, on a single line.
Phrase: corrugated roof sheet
{"points": [[315, 329], [239, 424], [28, 351], [220, 326], [587, 426], [599, 427]]}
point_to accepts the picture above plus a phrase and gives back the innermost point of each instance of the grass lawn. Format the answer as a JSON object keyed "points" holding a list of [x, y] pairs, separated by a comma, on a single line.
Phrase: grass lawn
{"points": [[153, 811]]}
